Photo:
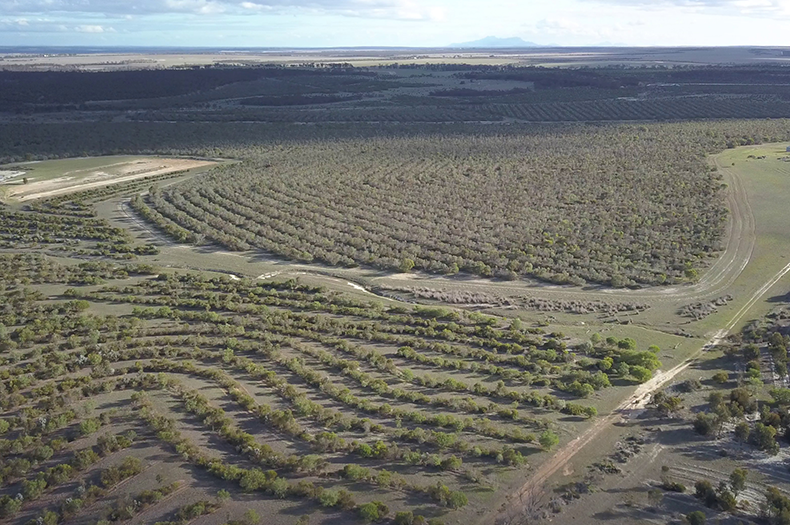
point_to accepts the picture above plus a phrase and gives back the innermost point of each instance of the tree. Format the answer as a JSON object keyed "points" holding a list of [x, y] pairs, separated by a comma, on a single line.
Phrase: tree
{"points": [[738, 480], [725, 499], [744, 399], [721, 377], [704, 490], [9, 506], [548, 440], [781, 396], [705, 424], [777, 507], [369, 512], [253, 480], [406, 265], [279, 488], [251, 517], [696, 518], [640, 373], [764, 438], [742, 431]]}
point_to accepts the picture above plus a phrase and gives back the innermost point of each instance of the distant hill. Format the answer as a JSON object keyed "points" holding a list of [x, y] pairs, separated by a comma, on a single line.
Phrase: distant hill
{"points": [[493, 41]]}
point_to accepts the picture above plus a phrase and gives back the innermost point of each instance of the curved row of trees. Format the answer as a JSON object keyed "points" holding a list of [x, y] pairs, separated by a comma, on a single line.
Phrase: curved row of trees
{"points": [[619, 205]]}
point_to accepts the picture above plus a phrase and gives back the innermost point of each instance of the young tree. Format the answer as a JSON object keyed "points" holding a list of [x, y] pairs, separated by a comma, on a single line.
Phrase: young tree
{"points": [[548, 440], [742, 431], [251, 517], [764, 438], [369, 512], [738, 480]]}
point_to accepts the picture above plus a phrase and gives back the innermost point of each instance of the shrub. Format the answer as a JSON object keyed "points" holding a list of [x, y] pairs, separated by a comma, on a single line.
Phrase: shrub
{"points": [[328, 498], [457, 500], [251, 517], [696, 518], [705, 424], [369, 512], [548, 440], [673, 486], [89, 426], [721, 377]]}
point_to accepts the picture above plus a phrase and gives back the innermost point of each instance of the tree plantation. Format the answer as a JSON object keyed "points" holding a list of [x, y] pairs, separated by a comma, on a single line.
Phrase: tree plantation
{"points": [[403, 293], [616, 205]]}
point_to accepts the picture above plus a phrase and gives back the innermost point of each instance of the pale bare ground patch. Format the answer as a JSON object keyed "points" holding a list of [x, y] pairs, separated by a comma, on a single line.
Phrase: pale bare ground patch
{"points": [[79, 180]]}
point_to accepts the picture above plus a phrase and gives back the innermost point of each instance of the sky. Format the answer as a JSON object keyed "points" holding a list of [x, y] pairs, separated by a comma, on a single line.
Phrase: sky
{"points": [[409, 23]]}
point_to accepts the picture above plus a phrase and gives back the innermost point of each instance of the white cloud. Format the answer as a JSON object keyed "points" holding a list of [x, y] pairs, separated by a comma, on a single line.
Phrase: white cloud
{"points": [[745, 7], [396, 9], [93, 29], [45, 25]]}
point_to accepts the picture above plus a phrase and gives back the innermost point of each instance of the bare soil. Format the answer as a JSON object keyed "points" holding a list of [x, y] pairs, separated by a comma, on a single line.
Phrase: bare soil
{"points": [[79, 180]]}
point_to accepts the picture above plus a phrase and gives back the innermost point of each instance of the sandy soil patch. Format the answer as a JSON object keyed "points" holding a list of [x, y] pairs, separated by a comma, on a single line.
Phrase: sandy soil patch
{"points": [[79, 180], [6, 175]]}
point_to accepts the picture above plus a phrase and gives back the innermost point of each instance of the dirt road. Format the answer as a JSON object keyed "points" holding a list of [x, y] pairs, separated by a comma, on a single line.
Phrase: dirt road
{"points": [[637, 400]]}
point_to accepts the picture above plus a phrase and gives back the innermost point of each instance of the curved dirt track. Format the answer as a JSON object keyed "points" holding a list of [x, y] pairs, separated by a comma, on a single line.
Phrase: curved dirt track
{"points": [[638, 400]]}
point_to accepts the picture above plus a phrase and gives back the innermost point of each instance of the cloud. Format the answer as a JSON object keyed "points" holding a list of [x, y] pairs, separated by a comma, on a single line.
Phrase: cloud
{"points": [[396, 9], [44, 25], [749, 7], [93, 29]]}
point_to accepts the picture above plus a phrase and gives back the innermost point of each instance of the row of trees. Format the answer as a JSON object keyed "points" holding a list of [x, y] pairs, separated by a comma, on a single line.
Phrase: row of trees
{"points": [[496, 205]]}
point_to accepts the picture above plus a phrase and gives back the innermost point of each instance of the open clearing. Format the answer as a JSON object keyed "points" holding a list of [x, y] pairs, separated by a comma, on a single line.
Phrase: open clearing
{"points": [[60, 177]]}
